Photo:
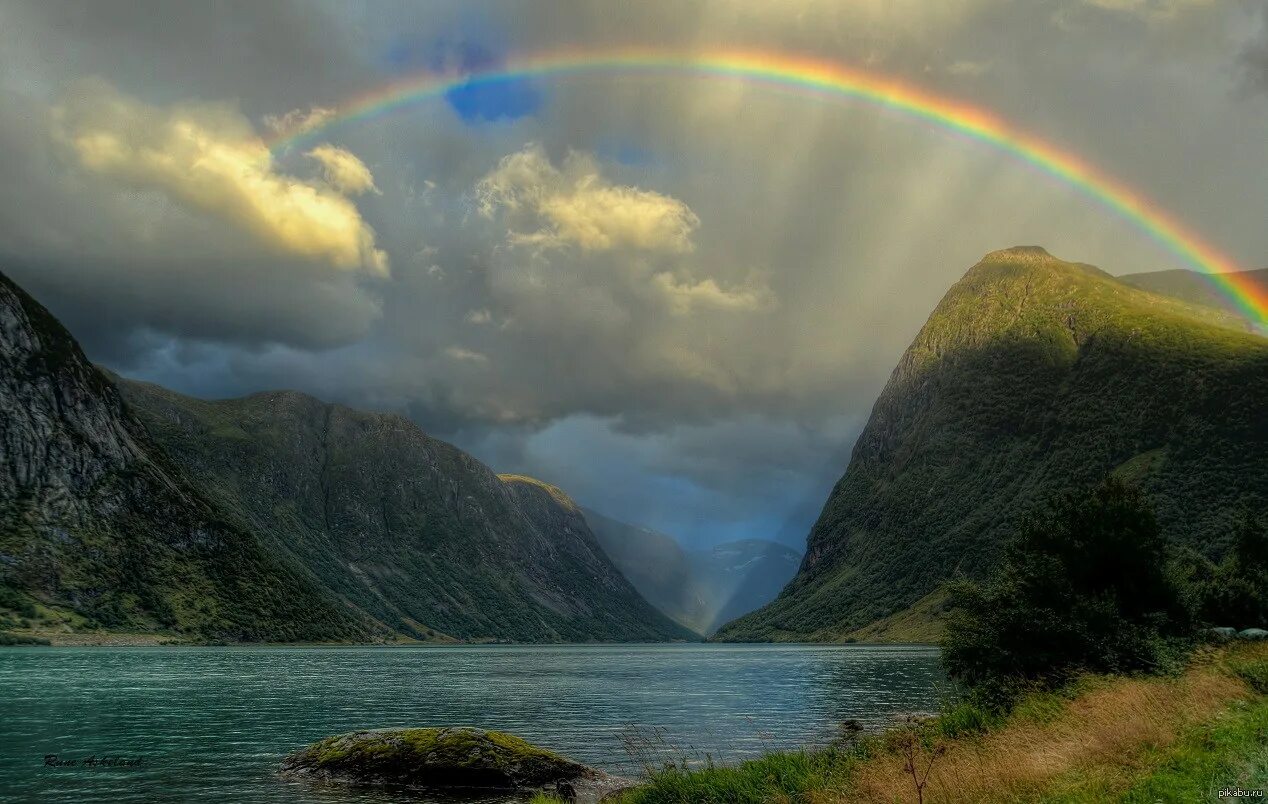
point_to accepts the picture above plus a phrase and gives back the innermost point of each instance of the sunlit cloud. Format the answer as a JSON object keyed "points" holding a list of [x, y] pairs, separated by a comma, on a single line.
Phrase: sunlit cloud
{"points": [[343, 170], [684, 297], [297, 121], [574, 205], [207, 158]]}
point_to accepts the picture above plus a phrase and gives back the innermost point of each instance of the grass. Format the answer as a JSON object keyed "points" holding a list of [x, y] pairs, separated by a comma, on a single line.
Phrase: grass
{"points": [[1103, 738], [20, 639], [923, 622]]}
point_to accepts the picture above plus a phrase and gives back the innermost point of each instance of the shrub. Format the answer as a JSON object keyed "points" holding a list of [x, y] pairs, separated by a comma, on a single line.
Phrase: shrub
{"points": [[1084, 587], [1235, 592]]}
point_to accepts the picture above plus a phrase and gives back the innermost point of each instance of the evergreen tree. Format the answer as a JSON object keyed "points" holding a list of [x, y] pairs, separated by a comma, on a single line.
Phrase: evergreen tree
{"points": [[1084, 586]]}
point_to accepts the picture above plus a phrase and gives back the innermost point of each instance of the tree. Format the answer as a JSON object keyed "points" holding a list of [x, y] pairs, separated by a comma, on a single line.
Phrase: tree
{"points": [[1084, 586], [1235, 593]]}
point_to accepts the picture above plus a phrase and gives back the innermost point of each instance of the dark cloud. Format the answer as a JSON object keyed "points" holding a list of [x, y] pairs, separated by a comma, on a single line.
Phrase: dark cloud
{"points": [[1253, 59], [681, 301]]}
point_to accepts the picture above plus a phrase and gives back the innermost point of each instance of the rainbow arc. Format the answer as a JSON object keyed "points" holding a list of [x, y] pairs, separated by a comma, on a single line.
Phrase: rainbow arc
{"points": [[826, 79]]}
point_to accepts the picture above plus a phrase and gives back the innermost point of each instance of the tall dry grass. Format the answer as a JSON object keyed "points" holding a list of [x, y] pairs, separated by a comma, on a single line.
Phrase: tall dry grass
{"points": [[1104, 731]]}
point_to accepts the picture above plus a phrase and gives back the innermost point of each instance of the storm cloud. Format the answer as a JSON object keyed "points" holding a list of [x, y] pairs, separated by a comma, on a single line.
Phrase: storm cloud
{"points": [[676, 295]]}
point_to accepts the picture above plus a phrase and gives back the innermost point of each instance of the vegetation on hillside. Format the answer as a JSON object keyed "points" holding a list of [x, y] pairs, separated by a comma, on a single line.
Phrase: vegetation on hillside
{"points": [[1084, 587], [1191, 286], [408, 529], [1087, 674], [126, 508], [1032, 376]]}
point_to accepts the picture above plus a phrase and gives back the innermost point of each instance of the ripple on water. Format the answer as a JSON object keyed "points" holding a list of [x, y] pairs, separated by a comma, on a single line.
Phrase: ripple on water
{"points": [[210, 724]]}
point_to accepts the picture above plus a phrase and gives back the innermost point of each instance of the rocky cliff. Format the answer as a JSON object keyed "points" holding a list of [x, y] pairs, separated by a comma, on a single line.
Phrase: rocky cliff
{"points": [[99, 529]]}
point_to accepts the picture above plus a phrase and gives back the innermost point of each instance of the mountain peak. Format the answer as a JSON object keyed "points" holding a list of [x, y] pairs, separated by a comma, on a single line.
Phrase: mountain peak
{"points": [[1015, 253], [1032, 375], [557, 494]]}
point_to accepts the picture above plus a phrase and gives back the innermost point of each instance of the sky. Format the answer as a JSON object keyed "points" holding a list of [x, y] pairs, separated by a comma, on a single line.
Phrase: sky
{"points": [[674, 296]]}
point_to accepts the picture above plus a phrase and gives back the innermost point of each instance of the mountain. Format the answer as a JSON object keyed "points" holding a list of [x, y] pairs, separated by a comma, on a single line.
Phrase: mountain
{"points": [[99, 529], [275, 517], [700, 589], [417, 534], [1032, 375], [742, 576], [656, 565], [1196, 288]]}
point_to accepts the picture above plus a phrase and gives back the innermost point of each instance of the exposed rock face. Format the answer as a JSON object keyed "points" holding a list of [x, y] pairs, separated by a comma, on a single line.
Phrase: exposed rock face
{"points": [[443, 760], [274, 517], [1031, 376], [95, 519]]}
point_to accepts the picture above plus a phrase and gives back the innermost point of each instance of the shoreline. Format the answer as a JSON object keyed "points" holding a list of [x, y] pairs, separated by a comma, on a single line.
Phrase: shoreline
{"points": [[116, 639]]}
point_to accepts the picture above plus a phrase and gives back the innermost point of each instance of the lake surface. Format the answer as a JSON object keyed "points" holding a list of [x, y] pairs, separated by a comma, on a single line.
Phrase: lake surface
{"points": [[211, 724]]}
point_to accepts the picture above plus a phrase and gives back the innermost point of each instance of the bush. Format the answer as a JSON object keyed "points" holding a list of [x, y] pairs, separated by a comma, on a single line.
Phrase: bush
{"points": [[1084, 587], [1235, 593], [15, 601]]}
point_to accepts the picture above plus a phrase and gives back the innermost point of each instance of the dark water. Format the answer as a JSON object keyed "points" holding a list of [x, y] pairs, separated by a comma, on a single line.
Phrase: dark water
{"points": [[211, 724]]}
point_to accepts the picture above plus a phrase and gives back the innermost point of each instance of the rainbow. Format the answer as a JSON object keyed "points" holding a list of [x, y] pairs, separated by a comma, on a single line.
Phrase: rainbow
{"points": [[831, 79]]}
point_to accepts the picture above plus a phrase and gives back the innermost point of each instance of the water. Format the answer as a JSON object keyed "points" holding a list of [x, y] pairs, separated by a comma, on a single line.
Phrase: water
{"points": [[211, 724]]}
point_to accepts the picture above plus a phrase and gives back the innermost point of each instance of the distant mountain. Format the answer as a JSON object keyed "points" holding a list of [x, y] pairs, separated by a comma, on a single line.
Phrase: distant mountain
{"points": [[274, 517], [657, 566], [98, 528], [742, 576], [1196, 288], [701, 589], [1032, 375]]}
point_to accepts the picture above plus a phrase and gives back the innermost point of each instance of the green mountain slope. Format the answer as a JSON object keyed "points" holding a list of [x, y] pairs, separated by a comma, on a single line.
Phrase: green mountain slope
{"points": [[700, 589], [412, 531], [1193, 287], [99, 529], [1031, 375]]}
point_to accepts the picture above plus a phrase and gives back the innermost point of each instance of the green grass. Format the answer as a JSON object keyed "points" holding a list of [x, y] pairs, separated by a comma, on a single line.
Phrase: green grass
{"points": [[774, 777], [1229, 751], [1101, 738], [20, 639]]}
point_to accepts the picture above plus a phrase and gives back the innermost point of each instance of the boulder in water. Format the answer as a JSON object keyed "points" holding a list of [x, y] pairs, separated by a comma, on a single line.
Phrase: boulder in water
{"points": [[441, 759]]}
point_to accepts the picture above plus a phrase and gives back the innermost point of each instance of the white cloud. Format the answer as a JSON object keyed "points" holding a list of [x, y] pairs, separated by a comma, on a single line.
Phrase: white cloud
{"points": [[970, 69], [343, 170], [463, 355], [297, 121], [575, 205], [207, 158], [683, 297], [1153, 10]]}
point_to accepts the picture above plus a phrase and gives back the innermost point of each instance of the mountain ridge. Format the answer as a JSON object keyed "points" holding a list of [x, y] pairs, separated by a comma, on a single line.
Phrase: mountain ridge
{"points": [[274, 517], [412, 530], [100, 529], [1032, 374]]}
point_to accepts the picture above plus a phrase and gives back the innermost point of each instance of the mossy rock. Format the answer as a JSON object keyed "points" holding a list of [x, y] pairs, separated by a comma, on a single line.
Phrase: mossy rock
{"points": [[451, 759]]}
